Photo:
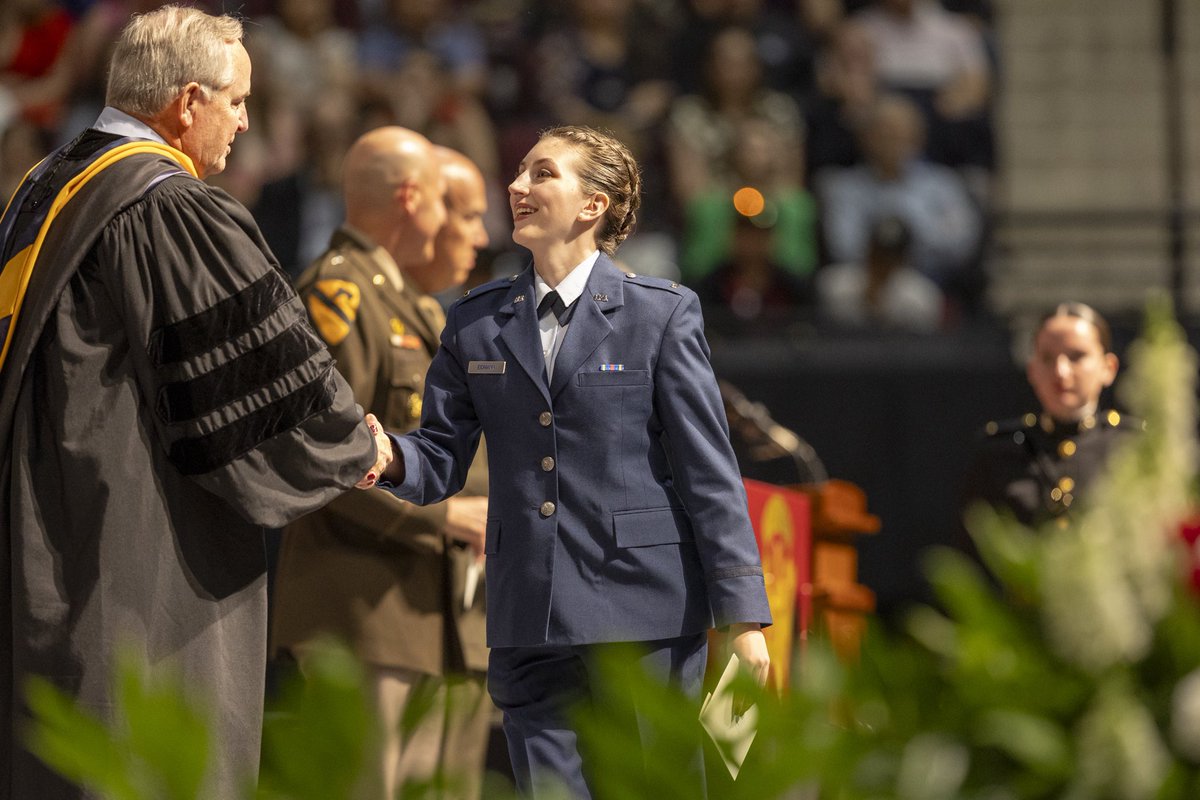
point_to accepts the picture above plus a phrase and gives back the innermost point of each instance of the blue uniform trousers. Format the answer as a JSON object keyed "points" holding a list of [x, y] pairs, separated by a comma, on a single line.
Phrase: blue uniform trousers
{"points": [[536, 688]]}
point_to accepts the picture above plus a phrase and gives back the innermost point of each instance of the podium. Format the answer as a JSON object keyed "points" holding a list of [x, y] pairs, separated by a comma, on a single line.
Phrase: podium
{"points": [[806, 537], [840, 603]]}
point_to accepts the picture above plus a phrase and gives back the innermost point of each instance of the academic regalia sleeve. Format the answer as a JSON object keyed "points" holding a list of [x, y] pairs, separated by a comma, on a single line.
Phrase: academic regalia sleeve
{"points": [[242, 393]]}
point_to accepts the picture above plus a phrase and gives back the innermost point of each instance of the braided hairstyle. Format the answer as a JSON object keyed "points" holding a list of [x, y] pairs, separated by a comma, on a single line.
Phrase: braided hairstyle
{"points": [[1084, 312], [605, 165]]}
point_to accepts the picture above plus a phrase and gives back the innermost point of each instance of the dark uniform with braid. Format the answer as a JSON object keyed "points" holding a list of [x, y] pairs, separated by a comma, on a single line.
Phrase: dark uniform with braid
{"points": [[1038, 468]]}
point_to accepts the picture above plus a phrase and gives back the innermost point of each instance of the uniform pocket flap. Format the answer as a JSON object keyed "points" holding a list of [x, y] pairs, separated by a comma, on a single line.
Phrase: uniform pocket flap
{"points": [[623, 377], [651, 526], [491, 541]]}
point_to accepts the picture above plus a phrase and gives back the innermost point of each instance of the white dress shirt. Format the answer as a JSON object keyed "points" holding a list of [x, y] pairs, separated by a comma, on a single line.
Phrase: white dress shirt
{"points": [[113, 121], [569, 290]]}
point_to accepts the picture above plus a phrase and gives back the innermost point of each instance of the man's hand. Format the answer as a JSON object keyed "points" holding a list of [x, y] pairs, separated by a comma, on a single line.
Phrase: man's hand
{"points": [[383, 453], [466, 521]]}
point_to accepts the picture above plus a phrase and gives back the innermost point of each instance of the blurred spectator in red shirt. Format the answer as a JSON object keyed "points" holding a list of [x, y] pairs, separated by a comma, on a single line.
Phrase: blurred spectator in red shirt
{"points": [[33, 34]]}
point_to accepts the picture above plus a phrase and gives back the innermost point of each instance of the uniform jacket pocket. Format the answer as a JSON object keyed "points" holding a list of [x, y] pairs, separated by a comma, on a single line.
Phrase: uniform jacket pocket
{"points": [[651, 526], [405, 385]]}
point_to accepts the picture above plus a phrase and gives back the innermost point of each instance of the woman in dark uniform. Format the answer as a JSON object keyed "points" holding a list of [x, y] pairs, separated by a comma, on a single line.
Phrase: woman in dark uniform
{"points": [[1039, 465]]}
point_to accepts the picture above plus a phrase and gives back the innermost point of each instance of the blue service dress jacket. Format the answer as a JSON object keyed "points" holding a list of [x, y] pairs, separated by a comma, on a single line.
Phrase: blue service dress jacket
{"points": [[616, 510]]}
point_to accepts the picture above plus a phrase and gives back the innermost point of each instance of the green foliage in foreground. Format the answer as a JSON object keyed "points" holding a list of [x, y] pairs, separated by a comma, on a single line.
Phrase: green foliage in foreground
{"points": [[158, 748], [1071, 672], [317, 737]]}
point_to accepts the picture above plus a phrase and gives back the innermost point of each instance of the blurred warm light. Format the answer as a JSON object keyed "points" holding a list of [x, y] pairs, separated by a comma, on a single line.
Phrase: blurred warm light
{"points": [[749, 201]]}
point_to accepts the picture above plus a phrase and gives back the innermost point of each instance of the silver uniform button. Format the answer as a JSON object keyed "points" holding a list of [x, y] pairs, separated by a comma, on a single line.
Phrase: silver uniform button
{"points": [[545, 418], [547, 464], [547, 508]]}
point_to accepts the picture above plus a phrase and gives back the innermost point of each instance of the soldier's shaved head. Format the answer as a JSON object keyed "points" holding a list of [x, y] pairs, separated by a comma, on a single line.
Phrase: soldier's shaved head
{"points": [[392, 184]]}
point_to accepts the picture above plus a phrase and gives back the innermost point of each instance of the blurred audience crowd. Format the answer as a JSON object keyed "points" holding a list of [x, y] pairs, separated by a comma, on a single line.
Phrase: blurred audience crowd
{"points": [[823, 162]]}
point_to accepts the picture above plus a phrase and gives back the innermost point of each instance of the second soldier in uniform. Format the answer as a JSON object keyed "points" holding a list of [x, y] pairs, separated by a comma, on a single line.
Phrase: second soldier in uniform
{"points": [[388, 577]]}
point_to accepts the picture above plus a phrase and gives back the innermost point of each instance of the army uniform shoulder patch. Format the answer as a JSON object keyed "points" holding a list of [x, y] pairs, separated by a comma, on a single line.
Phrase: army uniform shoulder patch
{"points": [[333, 306]]}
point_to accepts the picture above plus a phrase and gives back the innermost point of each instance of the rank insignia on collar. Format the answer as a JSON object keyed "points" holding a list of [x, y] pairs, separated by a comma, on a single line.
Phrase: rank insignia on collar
{"points": [[519, 298], [600, 298]]}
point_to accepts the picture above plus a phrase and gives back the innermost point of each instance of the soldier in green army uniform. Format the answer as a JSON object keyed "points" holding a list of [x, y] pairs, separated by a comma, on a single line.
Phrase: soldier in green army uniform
{"points": [[400, 583], [1040, 465]]}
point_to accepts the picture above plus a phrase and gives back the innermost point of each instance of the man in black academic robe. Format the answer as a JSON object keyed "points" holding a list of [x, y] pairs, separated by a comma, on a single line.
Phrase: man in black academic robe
{"points": [[162, 400]]}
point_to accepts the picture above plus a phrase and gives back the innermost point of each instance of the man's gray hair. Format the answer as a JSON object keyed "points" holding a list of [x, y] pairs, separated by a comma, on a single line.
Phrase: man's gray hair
{"points": [[162, 51]]}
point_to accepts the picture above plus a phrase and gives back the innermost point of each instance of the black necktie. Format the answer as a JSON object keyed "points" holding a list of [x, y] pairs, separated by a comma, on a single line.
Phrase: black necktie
{"points": [[553, 303]]}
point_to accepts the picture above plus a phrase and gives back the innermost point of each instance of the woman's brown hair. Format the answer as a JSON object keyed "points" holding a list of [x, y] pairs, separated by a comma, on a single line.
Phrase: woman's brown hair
{"points": [[605, 165]]}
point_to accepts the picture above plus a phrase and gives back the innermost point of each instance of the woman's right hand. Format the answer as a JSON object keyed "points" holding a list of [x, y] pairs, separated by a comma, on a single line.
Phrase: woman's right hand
{"points": [[383, 454]]}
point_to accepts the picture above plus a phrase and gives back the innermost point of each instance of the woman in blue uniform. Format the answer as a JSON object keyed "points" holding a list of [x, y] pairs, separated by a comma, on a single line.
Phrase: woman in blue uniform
{"points": [[616, 511]]}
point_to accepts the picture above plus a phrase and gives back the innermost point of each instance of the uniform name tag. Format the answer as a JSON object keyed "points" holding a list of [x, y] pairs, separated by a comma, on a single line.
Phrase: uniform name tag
{"points": [[486, 367]]}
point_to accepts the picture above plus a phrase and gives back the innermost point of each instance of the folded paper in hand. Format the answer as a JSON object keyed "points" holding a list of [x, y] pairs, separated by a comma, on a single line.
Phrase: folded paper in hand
{"points": [[732, 734], [471, 583]]}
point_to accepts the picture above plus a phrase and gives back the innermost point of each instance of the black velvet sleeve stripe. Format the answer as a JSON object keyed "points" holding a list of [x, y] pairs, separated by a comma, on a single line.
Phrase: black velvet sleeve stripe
{"points": [[227, 319], [184, 400], [200, 454]]}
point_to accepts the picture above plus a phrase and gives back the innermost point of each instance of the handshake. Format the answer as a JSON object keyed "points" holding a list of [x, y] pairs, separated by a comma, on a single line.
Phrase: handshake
{"points": [[383, 454]]}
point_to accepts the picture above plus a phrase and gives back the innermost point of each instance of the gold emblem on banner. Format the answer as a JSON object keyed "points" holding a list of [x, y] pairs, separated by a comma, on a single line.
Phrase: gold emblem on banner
{"points": [[779, 574]]}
